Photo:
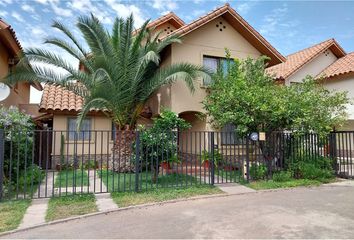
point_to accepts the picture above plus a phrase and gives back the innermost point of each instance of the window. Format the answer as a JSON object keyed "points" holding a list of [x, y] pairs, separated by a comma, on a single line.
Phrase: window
{"points": [[229, 136], [214, 64], [84, 134]]}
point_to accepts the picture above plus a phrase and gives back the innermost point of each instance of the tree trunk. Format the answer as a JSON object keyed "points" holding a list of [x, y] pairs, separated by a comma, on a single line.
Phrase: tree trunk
{"points": [[122, 157]]}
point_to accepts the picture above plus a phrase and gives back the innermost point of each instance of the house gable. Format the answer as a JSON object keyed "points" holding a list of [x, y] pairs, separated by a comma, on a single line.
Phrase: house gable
{"points": [[241, 26], [314, 67]]}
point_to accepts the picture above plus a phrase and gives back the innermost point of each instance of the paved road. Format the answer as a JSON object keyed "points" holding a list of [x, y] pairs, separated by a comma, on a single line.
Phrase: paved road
{"points": [[321, 212]]}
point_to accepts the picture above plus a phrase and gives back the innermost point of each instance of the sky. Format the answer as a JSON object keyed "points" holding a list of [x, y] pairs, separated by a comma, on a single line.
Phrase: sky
{"points": [[288, 25]]}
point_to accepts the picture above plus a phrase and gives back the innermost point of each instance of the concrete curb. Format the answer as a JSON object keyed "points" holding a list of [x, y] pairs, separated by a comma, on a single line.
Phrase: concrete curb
{"points": [[159, 203]]}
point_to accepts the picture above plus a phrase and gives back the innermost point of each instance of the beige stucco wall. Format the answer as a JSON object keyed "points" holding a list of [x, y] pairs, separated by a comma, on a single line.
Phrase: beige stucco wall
{"points": [[18, 95], [100, 137], [343, 83], [313, 68], [207, 40]]}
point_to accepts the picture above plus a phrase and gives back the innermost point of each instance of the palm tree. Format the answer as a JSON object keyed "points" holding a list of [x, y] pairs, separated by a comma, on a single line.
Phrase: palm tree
{"points": [[121, 71]]}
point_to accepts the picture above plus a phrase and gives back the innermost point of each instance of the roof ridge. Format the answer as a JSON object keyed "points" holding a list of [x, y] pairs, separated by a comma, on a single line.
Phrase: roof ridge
{"points": [[312, 46], [165, 17]]}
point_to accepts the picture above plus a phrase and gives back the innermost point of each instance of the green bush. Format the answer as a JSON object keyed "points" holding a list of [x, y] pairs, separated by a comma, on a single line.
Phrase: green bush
{"points": [[258, 172], [18, 142], [282, 176], [33, 175], [90, 164], [308, 166], [313, 172]]}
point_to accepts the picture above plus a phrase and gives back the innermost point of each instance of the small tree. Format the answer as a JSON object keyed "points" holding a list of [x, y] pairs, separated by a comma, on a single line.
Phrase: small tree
{"points": [[159, 143], [247, 97]]}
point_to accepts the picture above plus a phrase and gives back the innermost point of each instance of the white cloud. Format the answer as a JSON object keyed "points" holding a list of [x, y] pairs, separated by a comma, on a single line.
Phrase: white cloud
{"points": [[124, 10], [42, 1], [5, 2], [164, 5], [245, 7], [3, 13], [27, 8], [59, 10], [38, 31], [86, 7], [276, 24], [17, 16]]}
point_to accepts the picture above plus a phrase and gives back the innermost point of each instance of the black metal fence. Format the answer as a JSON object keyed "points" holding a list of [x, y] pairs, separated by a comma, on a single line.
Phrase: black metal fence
{"points": [[45, 163]]}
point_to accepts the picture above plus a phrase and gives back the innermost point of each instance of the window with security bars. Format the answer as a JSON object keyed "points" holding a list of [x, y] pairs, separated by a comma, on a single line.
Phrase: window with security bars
{"points": [[83, 134]]}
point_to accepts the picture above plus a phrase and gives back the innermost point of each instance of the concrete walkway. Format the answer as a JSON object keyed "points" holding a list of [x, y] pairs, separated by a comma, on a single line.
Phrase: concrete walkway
{"points": [[104, 201], [36, 212], [234, 188], [318, 212]]}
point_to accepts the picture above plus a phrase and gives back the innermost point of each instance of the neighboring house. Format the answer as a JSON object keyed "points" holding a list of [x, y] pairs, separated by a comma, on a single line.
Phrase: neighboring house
{"points": [[10, 50], [326, 61]]}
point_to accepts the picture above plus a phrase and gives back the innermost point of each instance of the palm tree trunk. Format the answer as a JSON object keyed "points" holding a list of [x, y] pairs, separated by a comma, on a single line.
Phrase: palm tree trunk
{"points": [[122, 151]]}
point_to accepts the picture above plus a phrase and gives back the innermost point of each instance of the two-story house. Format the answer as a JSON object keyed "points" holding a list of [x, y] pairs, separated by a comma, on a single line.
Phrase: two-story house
{"points": [[203, 43]]}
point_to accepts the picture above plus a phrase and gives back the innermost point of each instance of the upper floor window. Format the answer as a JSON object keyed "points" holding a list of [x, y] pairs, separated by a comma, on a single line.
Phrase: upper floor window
{"points": [[83, 134], [214, 64]]}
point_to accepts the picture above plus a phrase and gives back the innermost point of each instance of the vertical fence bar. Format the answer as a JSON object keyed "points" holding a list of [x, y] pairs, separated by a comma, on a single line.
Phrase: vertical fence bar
{"points": [[247, 160], [212, 159], [137, 160], [2, 158]]}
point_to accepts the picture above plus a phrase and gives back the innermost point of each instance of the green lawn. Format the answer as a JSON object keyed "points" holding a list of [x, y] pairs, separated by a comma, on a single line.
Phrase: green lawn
{"points": [[126, 181], [67, 206], [270, 184], [124, 199], [11, 214], [72, 178], [233, 176]]}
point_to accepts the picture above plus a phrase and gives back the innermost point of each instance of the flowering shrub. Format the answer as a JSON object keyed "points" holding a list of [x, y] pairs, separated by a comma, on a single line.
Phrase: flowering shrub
{"points": [[12, 119], [18, 145]]}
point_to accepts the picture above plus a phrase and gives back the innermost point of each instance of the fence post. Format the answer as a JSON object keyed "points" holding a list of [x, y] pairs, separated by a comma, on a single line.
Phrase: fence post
{"points": [[212, 180], [137, 160], [247, 159], [333, 150], [2, 158]]}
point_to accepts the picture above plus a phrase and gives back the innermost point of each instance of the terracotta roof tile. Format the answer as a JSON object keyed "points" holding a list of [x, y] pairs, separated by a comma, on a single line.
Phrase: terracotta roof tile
{"points": [[343, 65], [56, 98], [171, 16], [297, 60]]}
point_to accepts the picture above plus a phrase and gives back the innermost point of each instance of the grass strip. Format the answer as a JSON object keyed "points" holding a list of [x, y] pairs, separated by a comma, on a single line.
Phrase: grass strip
{"points": [[68, 206], [270, 184], [124, 199], [11, 214], [71, 178]]}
